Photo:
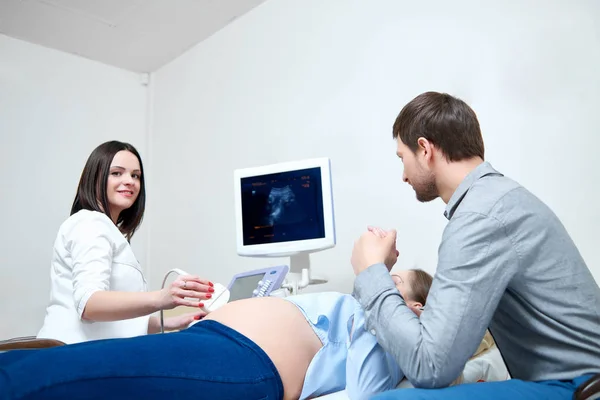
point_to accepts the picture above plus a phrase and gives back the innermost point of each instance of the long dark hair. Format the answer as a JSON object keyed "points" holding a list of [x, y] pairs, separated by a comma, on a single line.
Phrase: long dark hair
{"points": [[91, 192]]}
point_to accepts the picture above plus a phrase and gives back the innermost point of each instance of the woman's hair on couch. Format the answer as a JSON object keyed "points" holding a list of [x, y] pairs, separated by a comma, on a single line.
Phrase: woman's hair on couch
{"points": [[420, 285]]}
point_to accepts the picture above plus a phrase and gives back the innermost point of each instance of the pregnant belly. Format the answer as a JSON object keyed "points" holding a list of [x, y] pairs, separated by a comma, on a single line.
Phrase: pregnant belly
{"points": [[279, 328]]}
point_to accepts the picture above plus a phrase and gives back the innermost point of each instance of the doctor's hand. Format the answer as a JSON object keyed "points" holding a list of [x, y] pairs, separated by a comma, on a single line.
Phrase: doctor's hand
{"points": [[375, 246], [186, 290], [182, 321]]}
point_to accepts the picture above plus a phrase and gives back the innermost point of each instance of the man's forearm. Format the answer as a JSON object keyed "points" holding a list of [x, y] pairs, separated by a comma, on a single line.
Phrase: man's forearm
{"points": [[399, 330]]}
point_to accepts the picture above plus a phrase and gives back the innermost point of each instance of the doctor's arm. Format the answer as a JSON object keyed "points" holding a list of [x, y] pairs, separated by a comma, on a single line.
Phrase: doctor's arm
{"points": [[369, 369], [475, 264], [91, 249]]}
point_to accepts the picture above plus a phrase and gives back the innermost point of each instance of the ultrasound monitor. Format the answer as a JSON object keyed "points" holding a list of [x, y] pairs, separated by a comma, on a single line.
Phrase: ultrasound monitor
{"points": [[284, 209]]}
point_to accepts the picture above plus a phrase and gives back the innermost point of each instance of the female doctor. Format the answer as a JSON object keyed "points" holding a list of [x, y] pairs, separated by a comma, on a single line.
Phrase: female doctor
{"points": [[98, 290]]}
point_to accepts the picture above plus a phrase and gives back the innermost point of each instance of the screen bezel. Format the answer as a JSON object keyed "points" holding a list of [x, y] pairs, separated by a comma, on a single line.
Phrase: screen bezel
{"points": [[291, 247]]}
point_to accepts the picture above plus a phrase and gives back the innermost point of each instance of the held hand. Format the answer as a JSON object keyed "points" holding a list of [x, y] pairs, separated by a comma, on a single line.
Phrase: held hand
{"points": [[186, 290], [374, 248], [182, 321], [392, 257], [377, 231]]}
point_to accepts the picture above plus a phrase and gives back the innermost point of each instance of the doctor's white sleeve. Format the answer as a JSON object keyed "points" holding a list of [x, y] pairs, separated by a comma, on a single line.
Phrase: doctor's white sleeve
{"points": [[91, 250], [369, 368]]}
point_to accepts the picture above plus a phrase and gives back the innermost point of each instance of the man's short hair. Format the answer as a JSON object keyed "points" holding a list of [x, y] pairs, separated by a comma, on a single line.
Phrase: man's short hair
{"points": [[446, 121]]}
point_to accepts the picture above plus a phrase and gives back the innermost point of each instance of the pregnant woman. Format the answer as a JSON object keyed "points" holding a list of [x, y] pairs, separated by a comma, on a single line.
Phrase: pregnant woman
{"points": [[260, 348]]}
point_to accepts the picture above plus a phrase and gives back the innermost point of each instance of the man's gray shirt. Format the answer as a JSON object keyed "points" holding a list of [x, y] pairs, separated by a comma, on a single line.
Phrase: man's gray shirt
{"points": [[505, 262]]}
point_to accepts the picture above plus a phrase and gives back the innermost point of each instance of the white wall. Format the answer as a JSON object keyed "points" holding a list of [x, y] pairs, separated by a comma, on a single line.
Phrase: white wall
{"points": [[292, 80], [55, 109]]}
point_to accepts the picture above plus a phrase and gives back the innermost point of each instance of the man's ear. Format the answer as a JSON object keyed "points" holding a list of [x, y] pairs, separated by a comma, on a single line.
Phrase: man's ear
{"points": [[426, 147]]}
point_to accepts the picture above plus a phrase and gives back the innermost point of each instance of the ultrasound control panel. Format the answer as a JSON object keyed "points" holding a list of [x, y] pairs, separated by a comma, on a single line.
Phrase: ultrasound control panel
{"points": [[257, 283]]}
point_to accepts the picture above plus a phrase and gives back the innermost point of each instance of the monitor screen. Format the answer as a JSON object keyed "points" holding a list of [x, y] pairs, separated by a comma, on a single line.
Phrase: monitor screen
{"points": [[243, 287], [282, 207]]}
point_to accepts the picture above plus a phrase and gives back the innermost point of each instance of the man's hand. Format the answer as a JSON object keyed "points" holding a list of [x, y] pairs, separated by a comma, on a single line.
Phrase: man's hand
{"points": [[375, 246], [392, 257]]}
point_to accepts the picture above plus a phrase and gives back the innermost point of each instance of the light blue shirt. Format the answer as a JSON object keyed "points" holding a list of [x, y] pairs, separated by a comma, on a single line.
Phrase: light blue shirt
{"points": [[350, 358]]}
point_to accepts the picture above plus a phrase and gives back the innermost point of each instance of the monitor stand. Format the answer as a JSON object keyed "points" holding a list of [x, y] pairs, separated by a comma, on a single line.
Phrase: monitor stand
{"points": [[300, 268]]}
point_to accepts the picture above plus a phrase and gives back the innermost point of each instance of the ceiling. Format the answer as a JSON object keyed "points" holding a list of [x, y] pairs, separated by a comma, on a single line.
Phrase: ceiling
{"points": [[137, 35]]}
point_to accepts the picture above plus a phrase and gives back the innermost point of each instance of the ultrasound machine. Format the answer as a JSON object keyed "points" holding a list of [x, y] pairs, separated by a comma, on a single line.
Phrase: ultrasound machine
{"points": [[281, 210]]}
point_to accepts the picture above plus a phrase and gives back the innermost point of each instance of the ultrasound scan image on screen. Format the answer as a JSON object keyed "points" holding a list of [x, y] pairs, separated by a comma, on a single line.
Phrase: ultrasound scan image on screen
{"points": [[283, 207], [243, 287]]}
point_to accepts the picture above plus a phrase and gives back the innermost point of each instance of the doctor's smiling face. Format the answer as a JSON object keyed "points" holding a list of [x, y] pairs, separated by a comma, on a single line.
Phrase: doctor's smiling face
{"points": [[112, 182], [123, 183], [413, 285]]}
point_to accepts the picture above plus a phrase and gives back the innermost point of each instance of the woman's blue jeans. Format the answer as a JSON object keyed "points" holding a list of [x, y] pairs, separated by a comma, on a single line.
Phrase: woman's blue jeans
{"points": [[205, 361]]}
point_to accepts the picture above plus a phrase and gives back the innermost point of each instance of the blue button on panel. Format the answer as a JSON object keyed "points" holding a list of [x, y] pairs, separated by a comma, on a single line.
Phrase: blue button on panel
{"points": [[273, 272]]}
